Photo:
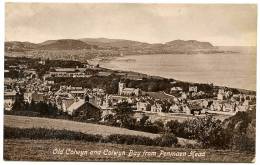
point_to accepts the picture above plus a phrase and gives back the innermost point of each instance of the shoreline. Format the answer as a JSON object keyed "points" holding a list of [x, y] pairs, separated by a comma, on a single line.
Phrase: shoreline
{"points": [[107, 60]]}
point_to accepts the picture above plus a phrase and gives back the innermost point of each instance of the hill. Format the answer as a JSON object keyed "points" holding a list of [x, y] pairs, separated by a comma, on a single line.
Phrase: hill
{"points": [[90, 128], [189, 45], [113, 43], [19, 46], [89, 48], [63, 44], [105, 43]]}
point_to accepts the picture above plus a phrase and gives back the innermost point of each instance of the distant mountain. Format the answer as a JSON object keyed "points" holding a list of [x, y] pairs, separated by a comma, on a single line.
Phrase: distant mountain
{"points": [[127, 46], [88, 48], [112, 43], [105, 43], [19, 46], [63, 44], [189, 45]]}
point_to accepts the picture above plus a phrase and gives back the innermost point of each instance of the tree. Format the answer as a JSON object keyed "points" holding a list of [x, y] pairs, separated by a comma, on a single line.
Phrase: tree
{"points": [[210, 133], [19, 104], [123, 115], [176, 128], [143, 121], [167, 140], [160, 125]]}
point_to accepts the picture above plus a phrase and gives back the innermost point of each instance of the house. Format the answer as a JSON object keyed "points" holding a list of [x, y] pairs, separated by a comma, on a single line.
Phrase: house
{"points": [[195, 109], [242, 108], [134, 76], [30, 73], [84, 110], [48, 82], [216, 106], [38, 97], [66, 103], [28, 97], [229, 107], [143, 106], [205, 103], [184, 95], [223, 94], [105, 74], [67, 72], [176, 90], [221, 90], [9, 99], [71, 110], [156, 107], [220, 96], [193, 89], [79, 94], [89, 66], [42, 62], [186, 109], [174, 108]]}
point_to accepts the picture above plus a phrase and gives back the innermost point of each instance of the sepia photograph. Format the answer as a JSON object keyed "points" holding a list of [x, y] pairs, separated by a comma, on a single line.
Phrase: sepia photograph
{"points": [[130, 82]]}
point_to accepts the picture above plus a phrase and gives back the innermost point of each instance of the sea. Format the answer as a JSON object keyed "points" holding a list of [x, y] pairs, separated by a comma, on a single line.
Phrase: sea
{"points": [[236, 69]]}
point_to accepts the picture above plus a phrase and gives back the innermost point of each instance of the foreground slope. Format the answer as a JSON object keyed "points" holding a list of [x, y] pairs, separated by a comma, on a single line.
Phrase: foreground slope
{"points": [[22, 149]]}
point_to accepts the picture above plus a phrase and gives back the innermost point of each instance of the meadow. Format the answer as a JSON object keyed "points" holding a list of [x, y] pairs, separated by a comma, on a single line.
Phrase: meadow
{"points": [[89, 128]]}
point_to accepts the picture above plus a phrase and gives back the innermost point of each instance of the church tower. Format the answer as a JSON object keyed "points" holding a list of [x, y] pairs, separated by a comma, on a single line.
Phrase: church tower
{"points": [[121, 87]]}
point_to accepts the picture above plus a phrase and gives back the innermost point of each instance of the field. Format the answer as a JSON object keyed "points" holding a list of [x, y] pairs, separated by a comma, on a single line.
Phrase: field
{"points": [[89, 128], [63, 150]]}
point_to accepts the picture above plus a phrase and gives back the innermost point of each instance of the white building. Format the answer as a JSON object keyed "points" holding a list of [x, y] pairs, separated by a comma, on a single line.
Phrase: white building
{"points": [[156, 108], [193, 88], [143, 106], [9, 99], [176, 89], [174, 108]]}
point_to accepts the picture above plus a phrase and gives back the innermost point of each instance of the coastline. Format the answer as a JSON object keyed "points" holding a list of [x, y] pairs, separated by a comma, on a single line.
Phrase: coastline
{"points": [[105, 62]]}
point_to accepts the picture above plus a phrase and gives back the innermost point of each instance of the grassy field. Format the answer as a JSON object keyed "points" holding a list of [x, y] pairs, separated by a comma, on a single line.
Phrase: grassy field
{"points": [[63, 150], [30, 122], [89, 128]]}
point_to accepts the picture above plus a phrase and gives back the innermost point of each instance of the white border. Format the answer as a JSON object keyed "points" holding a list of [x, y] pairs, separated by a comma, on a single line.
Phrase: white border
{"points": [[2, 32]]}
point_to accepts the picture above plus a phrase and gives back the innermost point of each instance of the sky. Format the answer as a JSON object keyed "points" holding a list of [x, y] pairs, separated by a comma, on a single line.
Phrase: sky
{"points": [[219, 24]]}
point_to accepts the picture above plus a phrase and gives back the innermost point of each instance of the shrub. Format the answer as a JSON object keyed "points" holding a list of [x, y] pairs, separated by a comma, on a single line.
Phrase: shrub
{"points": [[43, 133], [166, 140]]}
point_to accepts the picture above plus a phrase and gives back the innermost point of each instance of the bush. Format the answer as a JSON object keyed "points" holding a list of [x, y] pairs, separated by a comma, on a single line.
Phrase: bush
{"points": [[43, 134], [166, 140]]}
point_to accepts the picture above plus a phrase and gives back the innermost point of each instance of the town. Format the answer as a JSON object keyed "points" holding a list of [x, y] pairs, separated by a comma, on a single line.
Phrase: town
{"points": [[56, 85]]}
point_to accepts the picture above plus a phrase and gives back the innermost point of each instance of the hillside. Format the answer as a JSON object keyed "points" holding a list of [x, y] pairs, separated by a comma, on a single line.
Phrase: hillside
{"points": [[105, 43], [58, 124], [19, 46], [89, 48], [63, 44], [113, 43], [189, 45], [36, 122]]}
